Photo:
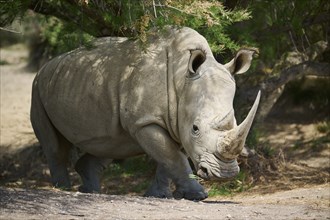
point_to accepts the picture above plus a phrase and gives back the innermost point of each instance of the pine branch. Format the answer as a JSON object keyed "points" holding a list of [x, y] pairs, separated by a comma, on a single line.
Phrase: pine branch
{"points": [[68, 10]]}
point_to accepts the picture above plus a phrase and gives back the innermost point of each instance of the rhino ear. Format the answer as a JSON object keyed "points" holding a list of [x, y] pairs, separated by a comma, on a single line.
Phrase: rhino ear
{"points": [[197, 58], [242, 61]]}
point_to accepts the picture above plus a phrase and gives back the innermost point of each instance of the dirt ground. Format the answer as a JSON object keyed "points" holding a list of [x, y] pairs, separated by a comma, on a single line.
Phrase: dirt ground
{"points": [[303, 203], [301, 191]]}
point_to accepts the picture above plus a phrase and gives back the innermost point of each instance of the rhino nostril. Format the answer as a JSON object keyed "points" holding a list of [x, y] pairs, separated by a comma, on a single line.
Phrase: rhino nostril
{"points": [[203, 173], [204, 170]]}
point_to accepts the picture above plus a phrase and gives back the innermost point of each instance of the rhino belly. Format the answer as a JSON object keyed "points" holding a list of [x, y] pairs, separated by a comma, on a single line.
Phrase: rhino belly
{"points": [[109, 147], [95, 134]]}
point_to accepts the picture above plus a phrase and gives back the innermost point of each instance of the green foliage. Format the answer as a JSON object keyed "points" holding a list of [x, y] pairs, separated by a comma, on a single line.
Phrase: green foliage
{"points": [[324, 127], [275, 27], [127, 18], [132, 175], [239, 184], [279, 26], [61, 36], [11, 10], [252, 139], [253, 142], [4, 62], [210, 18], [136, 166], [266, 150]]}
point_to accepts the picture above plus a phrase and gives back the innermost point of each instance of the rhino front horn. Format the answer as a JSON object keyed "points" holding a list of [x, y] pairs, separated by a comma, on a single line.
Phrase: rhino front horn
{"points": [[232, 145], [244, 127]]}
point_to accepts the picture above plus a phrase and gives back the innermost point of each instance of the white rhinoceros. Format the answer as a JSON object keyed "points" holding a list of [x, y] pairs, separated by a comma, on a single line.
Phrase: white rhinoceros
{"points": [[170, 100]]}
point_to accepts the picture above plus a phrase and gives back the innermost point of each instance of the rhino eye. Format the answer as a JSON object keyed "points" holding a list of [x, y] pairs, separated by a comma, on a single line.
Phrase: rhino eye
{"points": [[195, 130]]}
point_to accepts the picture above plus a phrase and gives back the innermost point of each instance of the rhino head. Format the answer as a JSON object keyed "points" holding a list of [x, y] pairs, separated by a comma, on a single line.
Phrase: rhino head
{"points": [[207, 125]]}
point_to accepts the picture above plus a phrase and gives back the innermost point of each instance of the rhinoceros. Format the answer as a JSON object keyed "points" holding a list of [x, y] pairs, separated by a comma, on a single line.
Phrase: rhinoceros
{"points": [[169, 99]]}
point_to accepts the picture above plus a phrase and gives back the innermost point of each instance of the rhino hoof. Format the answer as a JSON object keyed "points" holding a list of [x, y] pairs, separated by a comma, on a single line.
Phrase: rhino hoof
{"points": [[84, 189], [195, 196], [159, 194]]}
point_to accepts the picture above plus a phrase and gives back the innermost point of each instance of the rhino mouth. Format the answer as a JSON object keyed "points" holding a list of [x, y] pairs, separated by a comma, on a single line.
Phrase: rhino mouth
{"points": [[218, 170]]}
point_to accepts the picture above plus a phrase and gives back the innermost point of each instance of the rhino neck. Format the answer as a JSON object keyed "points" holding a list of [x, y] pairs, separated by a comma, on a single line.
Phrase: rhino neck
{"points": [[172, 101]]}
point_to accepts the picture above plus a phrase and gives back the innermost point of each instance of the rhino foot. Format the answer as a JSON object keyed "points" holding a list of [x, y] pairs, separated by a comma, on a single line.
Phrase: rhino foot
{"points": [[160, 187], [85, 189], [62, 183], [193, 191], [90, 169], [158, 193], [194, 196]]}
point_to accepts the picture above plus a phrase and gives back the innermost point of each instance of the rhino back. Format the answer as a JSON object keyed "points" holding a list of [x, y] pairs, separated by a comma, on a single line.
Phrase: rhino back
{"points": [[104, 94]]}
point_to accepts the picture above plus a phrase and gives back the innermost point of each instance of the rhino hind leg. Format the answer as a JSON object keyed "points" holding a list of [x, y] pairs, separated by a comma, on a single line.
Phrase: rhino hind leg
{"points": [[90, 169], [55, 147], [160, 187]]}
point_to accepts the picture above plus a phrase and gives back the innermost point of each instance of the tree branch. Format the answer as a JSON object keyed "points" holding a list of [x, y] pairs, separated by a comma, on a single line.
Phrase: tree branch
{"points": [[308, 68], [67, 11], [11, 31], [272, 89]]}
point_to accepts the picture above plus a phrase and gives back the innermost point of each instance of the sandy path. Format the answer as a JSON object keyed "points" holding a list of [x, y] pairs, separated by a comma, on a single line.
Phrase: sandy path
{"points": [[311, 203], [15, 84]]}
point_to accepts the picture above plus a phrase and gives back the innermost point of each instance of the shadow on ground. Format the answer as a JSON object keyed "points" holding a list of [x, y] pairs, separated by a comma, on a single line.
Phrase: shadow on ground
{"points": [[25, 167]]}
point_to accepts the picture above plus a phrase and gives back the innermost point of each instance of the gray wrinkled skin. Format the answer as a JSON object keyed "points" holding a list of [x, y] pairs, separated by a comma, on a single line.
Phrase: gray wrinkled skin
{"points": [[116, 100]]}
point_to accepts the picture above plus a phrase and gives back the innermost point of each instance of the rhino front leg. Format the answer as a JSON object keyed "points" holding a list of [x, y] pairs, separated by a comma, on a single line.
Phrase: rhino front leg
{"points": [[159, 145], [90, 169], [160, 187], [195, 190]]}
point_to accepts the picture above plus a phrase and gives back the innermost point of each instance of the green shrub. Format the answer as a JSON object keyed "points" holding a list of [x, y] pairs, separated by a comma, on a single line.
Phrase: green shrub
{"points": [[239, 184], [324, 127]]}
